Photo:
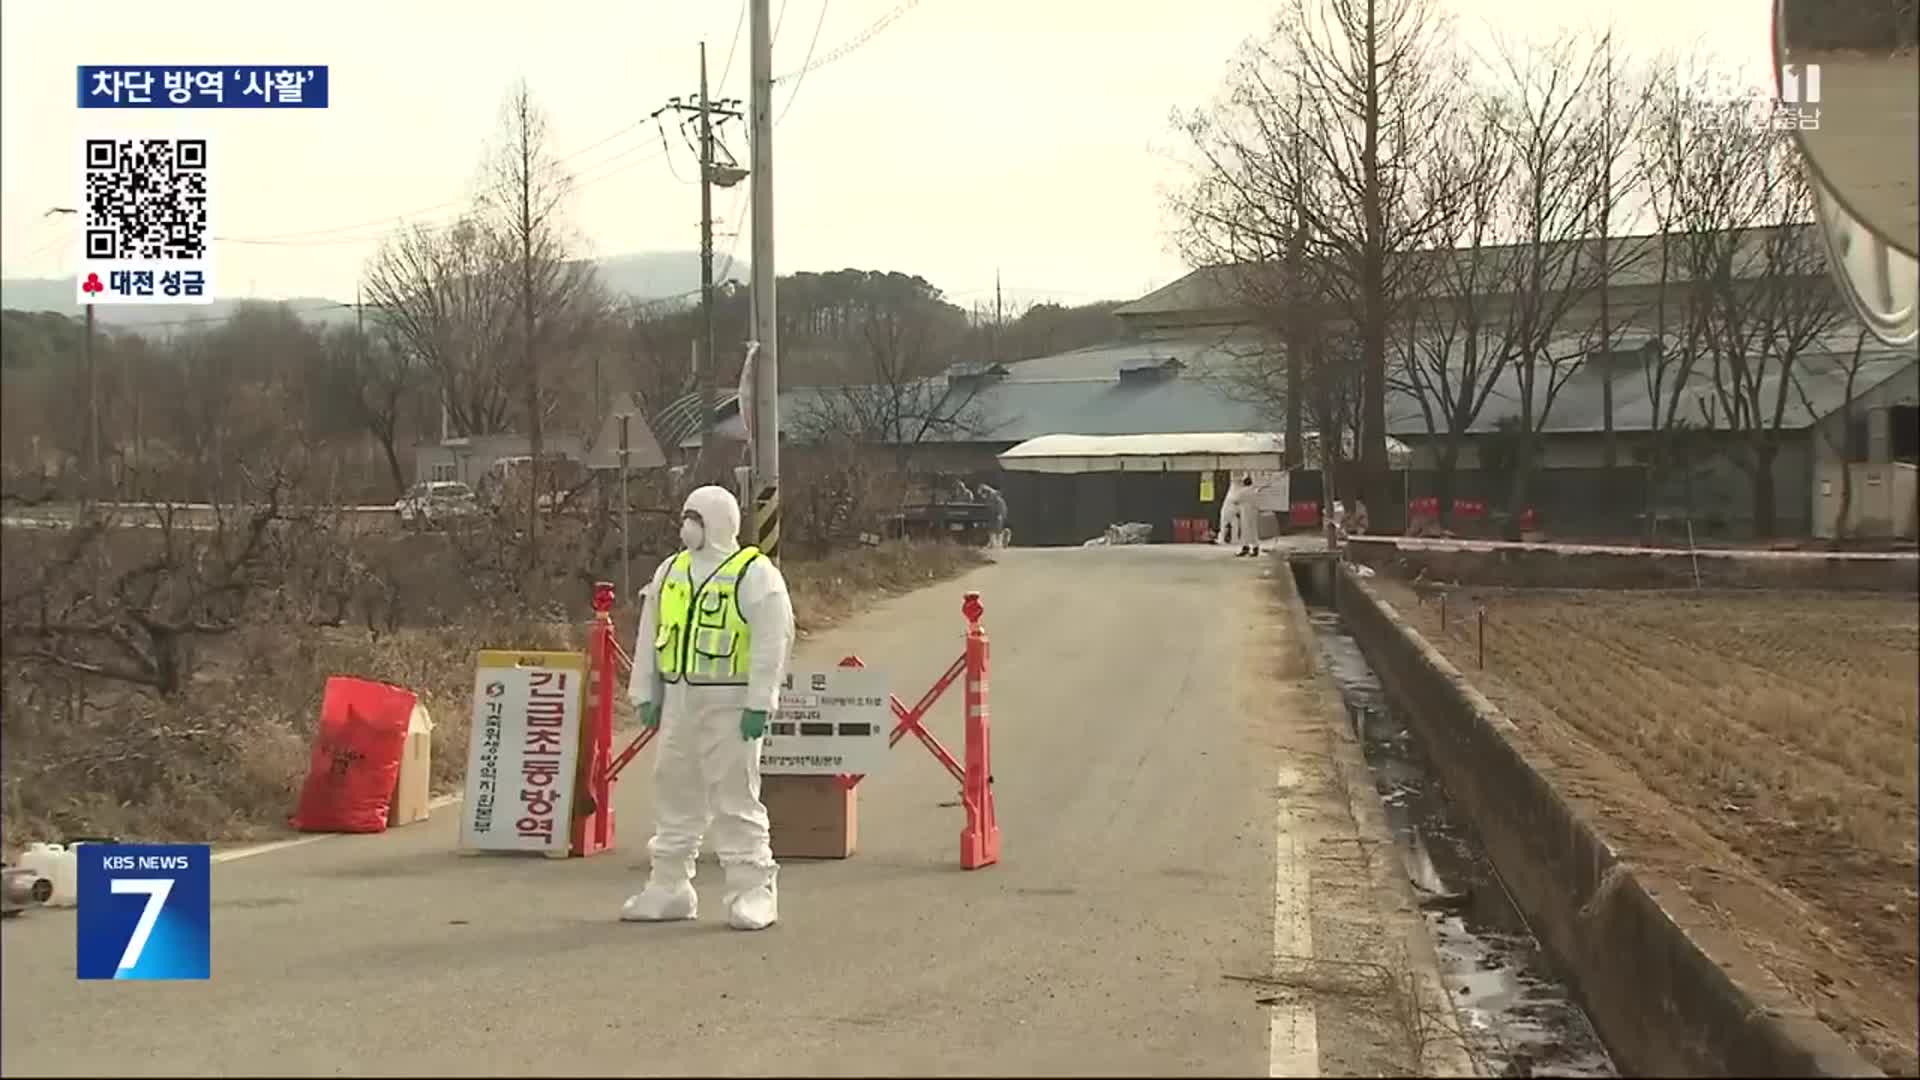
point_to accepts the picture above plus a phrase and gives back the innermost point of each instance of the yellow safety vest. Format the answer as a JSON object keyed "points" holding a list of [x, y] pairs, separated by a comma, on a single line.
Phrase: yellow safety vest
{"points": [[703, 637]]}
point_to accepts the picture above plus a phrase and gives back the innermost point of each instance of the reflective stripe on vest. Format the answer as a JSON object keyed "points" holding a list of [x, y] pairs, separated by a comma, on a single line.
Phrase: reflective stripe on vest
{"points": [[703, 637]]}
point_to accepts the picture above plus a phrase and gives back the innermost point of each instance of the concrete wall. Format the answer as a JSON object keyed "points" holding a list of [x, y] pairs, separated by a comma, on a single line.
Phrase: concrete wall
{"points": [[1871, 404], [1576, 495], [1577, 566], [1883, 489], [1881, 506], [1658, 983]]}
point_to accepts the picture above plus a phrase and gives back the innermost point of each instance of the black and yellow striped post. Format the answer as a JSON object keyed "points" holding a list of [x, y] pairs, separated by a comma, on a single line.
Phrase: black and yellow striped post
{"points": [[766, 521]]}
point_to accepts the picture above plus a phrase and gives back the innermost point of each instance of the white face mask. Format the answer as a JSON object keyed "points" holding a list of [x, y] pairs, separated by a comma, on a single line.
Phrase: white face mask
{"points": [[693, 535]]}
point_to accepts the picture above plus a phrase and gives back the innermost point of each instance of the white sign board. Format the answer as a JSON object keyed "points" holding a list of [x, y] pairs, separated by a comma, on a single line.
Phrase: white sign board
{"points": [[829, 723], [1270, 492], [527, 709]]}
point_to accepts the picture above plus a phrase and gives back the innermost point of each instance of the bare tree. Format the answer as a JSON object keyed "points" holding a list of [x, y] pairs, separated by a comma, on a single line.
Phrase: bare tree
{"points": [[900, 399], [1688, 152], [367, 379], [1322, 132], [1843, 447], [95, 611], [443, 293], [1625, 103], [1769, 302], [1557, 130], [525, 200], [1459, 334], [1754, 298], [229, 396]]}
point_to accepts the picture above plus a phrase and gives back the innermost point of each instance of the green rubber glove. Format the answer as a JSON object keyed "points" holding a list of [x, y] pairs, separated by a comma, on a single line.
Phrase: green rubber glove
{"points": [[650, 714], [753, 724]]}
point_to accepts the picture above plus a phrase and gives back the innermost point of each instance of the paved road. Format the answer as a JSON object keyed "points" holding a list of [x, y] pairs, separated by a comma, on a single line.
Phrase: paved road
{"points": [[1136, 787]]}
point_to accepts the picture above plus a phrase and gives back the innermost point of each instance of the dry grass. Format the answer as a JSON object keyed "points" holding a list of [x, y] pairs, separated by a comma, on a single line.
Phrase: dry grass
{"points": [[1426, 1040], [1783, 724], [828, 590], [225, 760]]}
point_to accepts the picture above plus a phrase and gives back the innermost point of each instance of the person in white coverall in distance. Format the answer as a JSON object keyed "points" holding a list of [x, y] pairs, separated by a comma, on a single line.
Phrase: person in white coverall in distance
{"points": [[1239, 511], [715, 633]]}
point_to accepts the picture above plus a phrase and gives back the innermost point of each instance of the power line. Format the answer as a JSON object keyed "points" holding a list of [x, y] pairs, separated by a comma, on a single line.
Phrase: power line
{"points": [[858, 40], [665, 150], [728, 66], [387, 220], [212, 320], [389, 225], [802, 77]]}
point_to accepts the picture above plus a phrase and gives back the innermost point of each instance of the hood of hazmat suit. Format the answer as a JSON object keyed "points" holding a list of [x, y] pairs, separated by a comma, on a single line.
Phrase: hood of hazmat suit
{"points": [[706, 772]]}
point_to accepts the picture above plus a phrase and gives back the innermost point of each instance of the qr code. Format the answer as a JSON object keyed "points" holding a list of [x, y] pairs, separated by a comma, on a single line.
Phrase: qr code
{"points": [[146, 199]]}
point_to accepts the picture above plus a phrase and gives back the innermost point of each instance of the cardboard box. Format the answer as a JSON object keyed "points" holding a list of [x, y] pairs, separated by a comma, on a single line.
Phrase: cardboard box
{"points": [[414, 788], [813, 817]]}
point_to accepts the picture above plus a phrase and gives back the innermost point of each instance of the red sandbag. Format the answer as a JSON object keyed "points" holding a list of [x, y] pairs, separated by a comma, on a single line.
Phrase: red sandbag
{"points": [[356, 757]]}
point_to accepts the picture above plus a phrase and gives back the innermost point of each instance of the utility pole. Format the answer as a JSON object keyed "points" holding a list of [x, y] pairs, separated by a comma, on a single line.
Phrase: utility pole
{"points": [[534, 441], [766, 392], [709, 367], [713, 171], [92, 488], [128, 388], [1606, 270], [93, 410], [996, 315], [626, 557]]}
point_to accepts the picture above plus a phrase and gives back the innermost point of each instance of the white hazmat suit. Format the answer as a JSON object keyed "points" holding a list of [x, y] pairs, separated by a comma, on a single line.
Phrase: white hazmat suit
{"points": [[1239, 510], [706, 770]]}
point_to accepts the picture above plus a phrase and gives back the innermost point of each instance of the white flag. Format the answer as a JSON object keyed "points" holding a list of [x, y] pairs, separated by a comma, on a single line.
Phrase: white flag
{"points": [[746, 391]]}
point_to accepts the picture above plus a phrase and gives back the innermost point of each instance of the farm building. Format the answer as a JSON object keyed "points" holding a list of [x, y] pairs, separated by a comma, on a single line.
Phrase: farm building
{"points": [[1172, 390], [1186, 348], [467, 459]]}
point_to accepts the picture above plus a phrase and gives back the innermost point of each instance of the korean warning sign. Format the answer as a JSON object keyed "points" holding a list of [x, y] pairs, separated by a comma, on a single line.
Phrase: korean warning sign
{"points": [[527, 709], [829, 723]]}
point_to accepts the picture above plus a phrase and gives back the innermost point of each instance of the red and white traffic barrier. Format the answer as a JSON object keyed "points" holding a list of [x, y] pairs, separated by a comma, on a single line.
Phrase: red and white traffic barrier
{"points": [[593, 830]]}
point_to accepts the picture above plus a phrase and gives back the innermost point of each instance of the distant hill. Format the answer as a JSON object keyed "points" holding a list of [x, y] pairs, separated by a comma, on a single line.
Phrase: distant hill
{"points": [[642, 276]]}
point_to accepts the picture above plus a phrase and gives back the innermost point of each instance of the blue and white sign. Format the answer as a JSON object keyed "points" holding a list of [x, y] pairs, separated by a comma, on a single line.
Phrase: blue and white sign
{"points": [[203, 86], [145, 911]]}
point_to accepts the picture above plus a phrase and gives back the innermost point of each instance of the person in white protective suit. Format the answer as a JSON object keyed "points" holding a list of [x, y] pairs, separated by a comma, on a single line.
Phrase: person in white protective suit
{"points": [[1238, 511], [715, 633]]}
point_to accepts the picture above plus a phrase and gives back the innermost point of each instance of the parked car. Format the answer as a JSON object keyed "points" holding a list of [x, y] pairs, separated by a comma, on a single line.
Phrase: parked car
{"points": [[433, 501]]}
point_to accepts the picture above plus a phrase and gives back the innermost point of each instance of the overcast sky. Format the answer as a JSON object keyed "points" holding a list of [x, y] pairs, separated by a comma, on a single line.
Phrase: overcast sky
{"points": [[1030, 136]]}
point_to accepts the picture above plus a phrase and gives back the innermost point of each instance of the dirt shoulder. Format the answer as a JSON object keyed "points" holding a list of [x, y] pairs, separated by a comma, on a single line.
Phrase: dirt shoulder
{"points": [[224, 759], [1756, 749]]}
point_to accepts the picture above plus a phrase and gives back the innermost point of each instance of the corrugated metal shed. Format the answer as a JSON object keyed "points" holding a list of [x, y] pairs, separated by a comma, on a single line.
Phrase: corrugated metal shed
{"points": [[1236, 451], [1081, 393], [1213, 290], [1215, 451]]}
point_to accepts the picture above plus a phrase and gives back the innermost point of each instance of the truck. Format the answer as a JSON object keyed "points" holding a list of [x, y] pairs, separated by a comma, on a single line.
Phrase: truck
{"points": [[939, 505]]}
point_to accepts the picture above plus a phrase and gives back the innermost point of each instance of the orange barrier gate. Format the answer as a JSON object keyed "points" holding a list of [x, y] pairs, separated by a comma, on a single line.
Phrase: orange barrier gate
{"points": [[979, 840]]}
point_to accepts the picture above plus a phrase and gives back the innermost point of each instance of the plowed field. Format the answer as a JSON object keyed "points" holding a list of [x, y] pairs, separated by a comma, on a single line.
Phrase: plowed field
{"points": [[1763, 749]]}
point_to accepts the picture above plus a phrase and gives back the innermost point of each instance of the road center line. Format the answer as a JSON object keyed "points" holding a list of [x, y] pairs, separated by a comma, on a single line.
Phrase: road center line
{"points": [[1293, 1036], [301, 841]]}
